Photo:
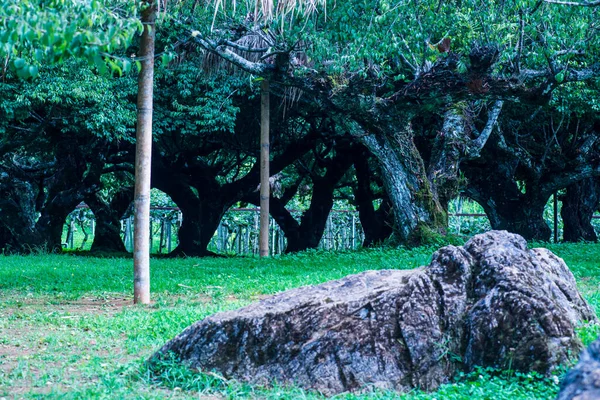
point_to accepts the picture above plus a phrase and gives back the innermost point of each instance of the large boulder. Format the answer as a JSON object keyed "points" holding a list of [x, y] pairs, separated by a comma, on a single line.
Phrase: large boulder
{"points": [[491, 302], [583, 381]]}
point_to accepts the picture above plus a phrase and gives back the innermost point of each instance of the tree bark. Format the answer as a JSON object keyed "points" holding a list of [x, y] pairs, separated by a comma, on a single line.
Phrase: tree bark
{"points": [[492, 185], [578, 206], [201, 200], [18, 213], [31, 219], [417, 211], [312, 225], [143, 158], [201, 218], [108, 215], [457, 141], [376, 224]]}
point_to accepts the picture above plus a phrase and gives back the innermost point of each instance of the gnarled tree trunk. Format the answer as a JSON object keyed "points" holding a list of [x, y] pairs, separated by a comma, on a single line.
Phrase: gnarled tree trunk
{"points": [[419, 194], [376, 224], [35, 203], [108, 217], [201, 218], [506, 206], [578, 206], [307, 233], [202, 201], [417, 211]]}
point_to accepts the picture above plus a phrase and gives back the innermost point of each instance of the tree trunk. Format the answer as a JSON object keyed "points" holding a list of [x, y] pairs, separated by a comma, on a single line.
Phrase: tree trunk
{"points": [[578, 206], [107, 237], [18, 214], [202, 203], [201, 219], [493, 186], [312, 224], [49, 227], [264, 169], [143, 156], [33, 210], [418, 214], [307, 233], [447, 152], [376, 224], [456, 142]]}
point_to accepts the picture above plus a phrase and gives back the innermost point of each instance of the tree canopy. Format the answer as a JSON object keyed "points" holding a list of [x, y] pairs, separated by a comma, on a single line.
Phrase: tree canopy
{"points": [[428, 97]]}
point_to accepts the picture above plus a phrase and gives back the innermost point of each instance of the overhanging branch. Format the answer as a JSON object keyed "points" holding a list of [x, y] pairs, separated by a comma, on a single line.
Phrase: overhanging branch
{"points": [[575, 3], [478, 143]]}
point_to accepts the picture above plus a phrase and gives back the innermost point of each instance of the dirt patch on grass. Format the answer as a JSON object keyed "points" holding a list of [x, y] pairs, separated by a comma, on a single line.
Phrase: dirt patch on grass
{"points": [[12, 353], [9, 350], [83, 305], [95, 305]]}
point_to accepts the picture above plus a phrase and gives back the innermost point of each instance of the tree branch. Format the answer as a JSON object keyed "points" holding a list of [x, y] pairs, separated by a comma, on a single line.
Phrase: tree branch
{"points": [[228, 55], [477, 144], [567, 178], [595, 3]]}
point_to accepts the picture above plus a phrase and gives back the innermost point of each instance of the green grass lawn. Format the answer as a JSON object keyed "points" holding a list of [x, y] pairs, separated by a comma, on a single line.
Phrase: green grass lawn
{"points": [[68, 329]]}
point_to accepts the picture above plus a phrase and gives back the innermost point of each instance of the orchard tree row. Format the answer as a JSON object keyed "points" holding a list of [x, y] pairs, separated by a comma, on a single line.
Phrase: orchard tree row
{"points": [[396, 107]]}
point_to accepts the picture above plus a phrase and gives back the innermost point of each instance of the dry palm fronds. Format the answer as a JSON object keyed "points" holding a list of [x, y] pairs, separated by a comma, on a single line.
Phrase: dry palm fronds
{"points": [[265, 10]]}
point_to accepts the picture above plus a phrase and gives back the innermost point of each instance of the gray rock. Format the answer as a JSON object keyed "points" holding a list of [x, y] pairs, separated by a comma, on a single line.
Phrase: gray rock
{"points": [[583, 381], [492, 302]]}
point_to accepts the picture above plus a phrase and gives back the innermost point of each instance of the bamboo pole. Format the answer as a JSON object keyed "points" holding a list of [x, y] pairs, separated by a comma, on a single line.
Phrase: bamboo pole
{"points": [[143, 155], [264, 169]]}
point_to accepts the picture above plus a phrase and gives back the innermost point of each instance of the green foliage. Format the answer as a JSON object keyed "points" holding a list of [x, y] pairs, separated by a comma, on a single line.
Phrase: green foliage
{"points": [[588, 333], [357, 34], [193, 102], [92, 105], [37, 32], [160, 199]]}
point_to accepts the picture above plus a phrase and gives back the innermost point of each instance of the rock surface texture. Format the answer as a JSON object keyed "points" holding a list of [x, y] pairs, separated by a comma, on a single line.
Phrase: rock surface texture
{"points": [[583, 381], [491, 302]]}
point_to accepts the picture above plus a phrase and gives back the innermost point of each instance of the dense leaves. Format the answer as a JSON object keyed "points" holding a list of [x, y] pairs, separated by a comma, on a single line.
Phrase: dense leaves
{"points": [[34, 32], [417, 85]]}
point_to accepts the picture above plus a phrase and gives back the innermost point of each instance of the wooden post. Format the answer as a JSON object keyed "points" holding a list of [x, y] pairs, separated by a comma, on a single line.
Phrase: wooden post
{"points": [[169, 236], [128, 234], [353, 231], [151, 235], [71, 234], [143, 155], [281, 241], [264, 169], [256, 229], [555, 217], [329, 237], [272, 247], [219, 244], [161, 241], [249, 249]]}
